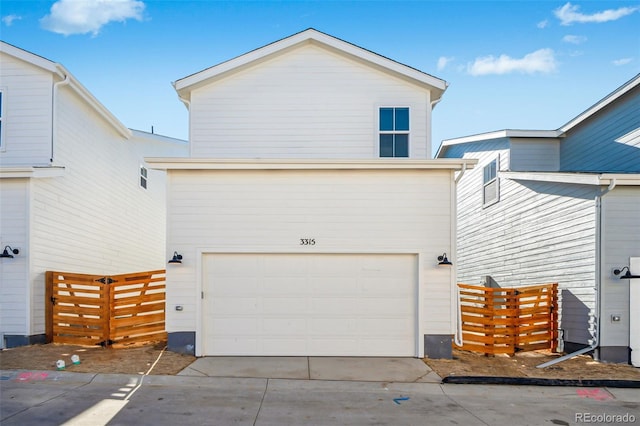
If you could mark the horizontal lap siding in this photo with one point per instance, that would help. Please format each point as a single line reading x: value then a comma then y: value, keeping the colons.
x: 537, y: 233
x: 305, y: 103
x: 14, y: 292
x: 621, y: 239
x: 594, y: 145
x: 344, y: 211
x: 534, y: 155
x: 96, y: 218
x: 26, y: 98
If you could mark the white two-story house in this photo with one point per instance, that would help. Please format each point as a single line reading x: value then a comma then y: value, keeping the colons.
x: 309, y: 215
x: 75, y: 192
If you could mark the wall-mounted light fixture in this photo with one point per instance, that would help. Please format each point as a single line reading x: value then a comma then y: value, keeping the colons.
x: 627, y: 276
x: 177, y: 258
x: 7, y: 253
x: 442, y: 260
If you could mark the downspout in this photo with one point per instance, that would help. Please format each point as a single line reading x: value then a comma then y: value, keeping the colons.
x: 596, y: 342
x: 54, y: 127
x: 457, y: 337
x: 187, y: 103
x: 464, y: 169
x: 432, y: 104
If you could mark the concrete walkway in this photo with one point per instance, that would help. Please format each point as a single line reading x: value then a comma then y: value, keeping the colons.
x: 393, y: 370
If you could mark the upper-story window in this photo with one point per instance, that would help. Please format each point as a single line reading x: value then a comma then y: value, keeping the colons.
x: 394, y: 132
x: 490, y: 183
x: 143, y: 177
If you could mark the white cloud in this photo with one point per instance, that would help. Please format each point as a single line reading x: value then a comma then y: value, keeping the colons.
x: 543, y: 24
x: 8, y: 20
x: 540, y: 61
x: 623, y: 61
x: 89, y: 16
x: 574, y: 39
x: 568, y: 14
x: 443, y: 61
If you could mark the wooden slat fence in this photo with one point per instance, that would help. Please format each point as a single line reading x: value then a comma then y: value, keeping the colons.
x: 508, y: 320
x: 86, y: 309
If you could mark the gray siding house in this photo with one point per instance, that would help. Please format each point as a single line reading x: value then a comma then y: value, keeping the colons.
x: 561, y: 206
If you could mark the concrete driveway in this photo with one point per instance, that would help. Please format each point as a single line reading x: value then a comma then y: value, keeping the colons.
x: 55, y: 398
x: 393, y: 370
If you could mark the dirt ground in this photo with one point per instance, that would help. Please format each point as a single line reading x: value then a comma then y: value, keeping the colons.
x: 134, y: 359
x: 139, y: 359
x: 524, y: 364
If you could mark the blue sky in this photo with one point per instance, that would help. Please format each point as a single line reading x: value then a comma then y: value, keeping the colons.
x: 509, y: 64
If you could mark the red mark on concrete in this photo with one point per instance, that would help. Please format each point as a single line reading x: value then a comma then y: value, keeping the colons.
x: 597, y: 394
x: 29, y: 376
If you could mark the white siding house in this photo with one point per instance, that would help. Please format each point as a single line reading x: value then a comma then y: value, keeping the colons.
x: 71, y: 197
x: 566, y: 210
x: 299, y: 235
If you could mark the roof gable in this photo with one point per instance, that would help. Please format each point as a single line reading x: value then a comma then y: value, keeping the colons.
x: 28, y: 57
x: 310, y: 36
x: 65, y: 77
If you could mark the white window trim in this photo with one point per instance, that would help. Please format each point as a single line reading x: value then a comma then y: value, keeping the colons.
x: 379, y: 132
x: 496, y: 179
x: 144, y: 176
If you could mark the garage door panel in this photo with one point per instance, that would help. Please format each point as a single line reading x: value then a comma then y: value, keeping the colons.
x: 335, y: 327
x: 230, y: 265
x: 239, y: 285
x: 309, y: 304
x: 278, y: 305
x: 284, y: 326
x: 334, y: 285
x: 328, y: 346
x: 332, y: 265
x: 276, y: 346
x: 284, y: 266
x: 283, y: 285
x: 383, y: 307
x: 385, y: 286
x: 248, y: 306
x: 346, y: 307
x: 373, y: 347
x: 235, y: 326
x: 234, y: 346
x: 387, y: 326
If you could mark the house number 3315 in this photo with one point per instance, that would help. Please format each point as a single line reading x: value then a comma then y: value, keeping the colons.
x: 307, y: 241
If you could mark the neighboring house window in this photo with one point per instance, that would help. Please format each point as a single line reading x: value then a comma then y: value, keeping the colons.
x: 394, y: 132
x: 143, y: 177
x: 491, y: 189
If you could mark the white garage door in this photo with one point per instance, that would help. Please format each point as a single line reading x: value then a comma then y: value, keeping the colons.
x: 309, y: 304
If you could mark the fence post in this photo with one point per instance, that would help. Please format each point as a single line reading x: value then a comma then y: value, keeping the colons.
x: 48, y: 306
x: 553, y: 315
x: 491, y: 300
x: 104, y: 296
x: 516, y: 321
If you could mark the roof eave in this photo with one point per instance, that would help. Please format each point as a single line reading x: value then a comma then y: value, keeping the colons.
x: 59, y: 70
x: 578, y: 178
x: 300, y: 164
x: 82, y: 91
x: 185, y: 85
x: 607, y: 100
x: 505, y: 133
